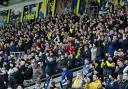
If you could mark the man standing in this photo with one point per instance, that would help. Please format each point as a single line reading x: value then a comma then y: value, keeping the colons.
x: 66, y: 78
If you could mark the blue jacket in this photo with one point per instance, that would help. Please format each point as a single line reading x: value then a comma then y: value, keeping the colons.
x: 110, y: 84
x: 67, y: 74
x: 13, y: 48
x: 112, y: 47
x: 124, y: 44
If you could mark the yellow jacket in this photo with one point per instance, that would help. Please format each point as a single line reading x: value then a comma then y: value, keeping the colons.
x: 77, y: 83
x: 94, y: 85
x: 107, y: 63
x: 49, y: 34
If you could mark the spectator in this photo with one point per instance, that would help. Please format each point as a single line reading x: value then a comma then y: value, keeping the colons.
x: 113, y: 46
x: 28, y: 72
x: 2, y: 80
x: 107, y: 66
x: 19, y: 87
x: 110, y: 83
x: 48, y: 82
x: 9, y: 87
x: 51, y: 66
x: 86, y: 53
x: 86, y: 67
x: 38, y: 84
x: 121, y: 66
x: 78, y: 81
x: 122, y: 81
x: 96, y: 84
x: 125, y: 42
x: 66, y: 78
x: 53, y: 85
x: 69, y: 48
x: 125, y: 69
x: 93, y: 52
x: 37, y: 70
x: 17, y: 77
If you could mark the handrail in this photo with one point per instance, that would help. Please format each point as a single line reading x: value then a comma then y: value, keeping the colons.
x: 55, y: 76
x: 17, y: 53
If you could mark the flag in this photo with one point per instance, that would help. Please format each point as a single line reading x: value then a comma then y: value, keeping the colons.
x: 98, y: 1
x: 122, y: 2
x: 37, y: 10
x: 125, y: 2
x: 8, y: 17
x: 22, y: 14
x: 53, y: 7
x: 44, y: 7
x: 115, y: 2
x: 76, y: 5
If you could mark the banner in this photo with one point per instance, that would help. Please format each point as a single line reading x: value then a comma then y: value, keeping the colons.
x: 102, y: 4
x: 51, y: 7
x: 40, y: 10
x: 29, y: 12
x: 44, y: 8
x: 37, y: 10
x: 121, y: 2
x: 82, y: 7
x: 8, y: 17
x: 67, y: 6
x: 98, y: 1
x: 3, y: 17
x: 115, y: 2
x: 15, y: 15
x: 22, y: 14
x: 76, y: 5
x: 59, y: 6
x: 125, y: 2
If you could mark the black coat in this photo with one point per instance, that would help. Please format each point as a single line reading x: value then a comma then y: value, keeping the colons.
x: 123, y: 84
x: 86, y: 54
x: 2, y: 86
x: 28, y: 73
x: 18, y: 77
x: 124, y: 44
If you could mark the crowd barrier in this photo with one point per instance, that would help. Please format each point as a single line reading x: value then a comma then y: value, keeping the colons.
x: 54, y: 76
x: 17, y: 54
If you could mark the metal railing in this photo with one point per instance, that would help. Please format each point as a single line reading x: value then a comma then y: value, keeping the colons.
x: 54, y: 76
x: 17, y: 54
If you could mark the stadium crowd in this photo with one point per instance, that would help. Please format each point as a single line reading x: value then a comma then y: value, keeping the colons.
x: 53, y: 44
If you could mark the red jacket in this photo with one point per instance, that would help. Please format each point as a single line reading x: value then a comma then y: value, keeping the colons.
x: 70, y: 49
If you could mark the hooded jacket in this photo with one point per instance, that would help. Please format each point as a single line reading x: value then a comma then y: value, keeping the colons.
x: 94, y: 85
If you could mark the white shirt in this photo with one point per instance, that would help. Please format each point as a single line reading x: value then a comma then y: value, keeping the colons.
x: 93, y: 53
